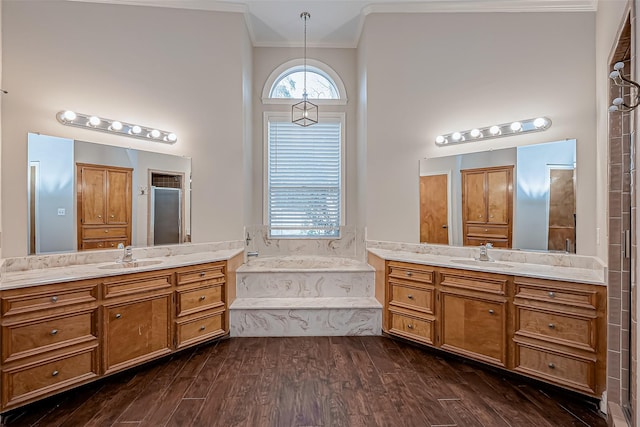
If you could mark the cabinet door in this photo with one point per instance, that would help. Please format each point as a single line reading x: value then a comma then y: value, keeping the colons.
x: 474, y: 327
x: 498, y: 200
x: 474, y: 199
x: 136, y: 331
x: 93, y: 201
x: 118, y: 196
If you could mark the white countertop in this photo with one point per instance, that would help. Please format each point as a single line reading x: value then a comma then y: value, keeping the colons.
x: 44, y: 276
x: 540, y: 271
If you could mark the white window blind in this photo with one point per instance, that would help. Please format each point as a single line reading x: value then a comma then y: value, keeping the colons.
x: 304, y: 179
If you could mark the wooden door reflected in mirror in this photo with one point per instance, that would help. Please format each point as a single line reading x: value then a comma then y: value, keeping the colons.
x: 434, y: 209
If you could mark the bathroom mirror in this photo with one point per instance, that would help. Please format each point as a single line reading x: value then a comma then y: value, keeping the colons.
x: 83, y: 196
x: 520, y: 198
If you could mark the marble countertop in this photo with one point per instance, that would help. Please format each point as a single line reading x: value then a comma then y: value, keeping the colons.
x: 540, y: 271
x: 44, y: 276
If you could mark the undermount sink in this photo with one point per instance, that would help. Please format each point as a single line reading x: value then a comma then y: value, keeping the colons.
x: 481, y: 263
x: 132, y: 264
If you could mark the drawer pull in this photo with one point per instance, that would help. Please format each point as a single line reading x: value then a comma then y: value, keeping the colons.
x: 106, y: 231
x: 54, y: 299
x: 410, y: 296
x: 409, y: 273
x: 202, y: 298
x: 552, y: 366
x: 552, y: 294
x: 409, y: 326
x: 99, y: 216
x: 113, y: 216
x: 202, y: 274
x: 54, y: 332
x: 202, y: 328
x: 54, y: 373
x: 486, y: 229
x: 552, y: 326
x: 491, y: 311
x: 118, y: 316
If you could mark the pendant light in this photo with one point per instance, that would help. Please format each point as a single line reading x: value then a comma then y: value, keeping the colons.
x: 304, y: 113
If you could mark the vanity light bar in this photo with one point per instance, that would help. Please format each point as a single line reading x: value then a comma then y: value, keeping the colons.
x: 85, y: 121
x: 496, y: 131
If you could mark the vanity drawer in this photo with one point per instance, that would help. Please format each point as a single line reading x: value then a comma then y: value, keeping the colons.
x: 412, y: 272
x: 200, y: 329
x: 199, y: 299
x: 477, y: 241
x: 104, y: 232
x: 136, y: 283
x: 412, y: 327
x: 564, y: 369
x: 412, y: 298
x: 26, y: 339
x: 28, y: 382
x: 555, y: 293
x: 210, y: 273
x: 102, y: 244
x: 47, y: 298
x: 555, y: 327
x: 489, y: 232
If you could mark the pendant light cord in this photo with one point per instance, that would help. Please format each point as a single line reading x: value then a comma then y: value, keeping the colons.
x: 305, y: 16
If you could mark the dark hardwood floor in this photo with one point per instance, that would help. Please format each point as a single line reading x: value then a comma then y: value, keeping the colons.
x: 320, y: 381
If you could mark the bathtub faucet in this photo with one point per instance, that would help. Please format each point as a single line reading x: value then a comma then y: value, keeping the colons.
x: 252, y: 254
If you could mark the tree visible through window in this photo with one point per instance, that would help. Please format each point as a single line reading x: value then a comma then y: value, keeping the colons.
x: 290, y: 84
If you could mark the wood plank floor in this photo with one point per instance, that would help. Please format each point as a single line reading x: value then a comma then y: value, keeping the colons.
x: 315, y: 381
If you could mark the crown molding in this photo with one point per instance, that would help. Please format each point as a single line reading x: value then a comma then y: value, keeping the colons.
x: 443, y: 6
x: 210, y: 5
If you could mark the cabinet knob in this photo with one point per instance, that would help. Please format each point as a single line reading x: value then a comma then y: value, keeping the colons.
x: 113, y: 216
x: 409, y: 273
x: 99, y: 216
x: 486, y: 229
x: 552, y: 326
x: 118, y: 315
x: 113, y: 245
x: 202, y: 328
x: 54, y: 332
x: 202, y: 298
x: 106, y: 231
x: 409, y: 326
x: 552, y: 294
x: 491, y: 311
x: 54, y: 299
x: 552, y: 366
x: 202, y: 274
x: 54, y: 373
x: 410, y: 296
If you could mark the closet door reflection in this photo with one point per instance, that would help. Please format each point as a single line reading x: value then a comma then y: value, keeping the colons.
x: 434, y: 209
x: 562, y: 210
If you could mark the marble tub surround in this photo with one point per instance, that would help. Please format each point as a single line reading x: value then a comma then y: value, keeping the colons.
x: 351, y: 243
x: 55, y: 274
x: 305, y: 296
x: 555, y: 266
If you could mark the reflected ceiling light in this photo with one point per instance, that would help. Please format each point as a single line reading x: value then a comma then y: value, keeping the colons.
x: 623, y: 83
x: 304, y: 113
x: 506, y: 129
x: 86, y: 121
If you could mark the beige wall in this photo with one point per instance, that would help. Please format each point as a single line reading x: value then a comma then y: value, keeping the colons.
x: 436, y: 73
x: 178, y: 70
x: 343, y: 62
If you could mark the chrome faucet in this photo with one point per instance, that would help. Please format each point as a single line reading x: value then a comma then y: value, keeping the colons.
x: 127, y: 256
x: 484, y: 254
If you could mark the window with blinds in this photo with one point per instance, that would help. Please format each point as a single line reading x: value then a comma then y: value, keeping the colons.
x: 304, y: 182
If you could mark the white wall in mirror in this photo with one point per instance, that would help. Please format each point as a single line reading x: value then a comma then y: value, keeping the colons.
x: 55, y: 209
x: 531, y: 195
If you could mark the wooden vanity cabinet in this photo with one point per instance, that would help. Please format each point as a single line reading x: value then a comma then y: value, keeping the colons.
x: 56, y: 337
x: 49, y: 340
x: 550, y: 330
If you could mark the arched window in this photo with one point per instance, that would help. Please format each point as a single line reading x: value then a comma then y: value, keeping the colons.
x: 287, y: 83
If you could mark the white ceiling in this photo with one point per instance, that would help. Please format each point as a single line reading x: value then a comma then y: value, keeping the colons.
x: 338, y: 23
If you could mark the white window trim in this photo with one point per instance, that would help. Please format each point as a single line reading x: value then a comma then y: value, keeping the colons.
x: 271, y: 115
x: 330, y: 72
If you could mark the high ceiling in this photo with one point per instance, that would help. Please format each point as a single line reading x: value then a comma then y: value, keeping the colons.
x: 338, y: 23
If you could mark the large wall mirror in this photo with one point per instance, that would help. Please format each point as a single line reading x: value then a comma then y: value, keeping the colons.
x: 84, y: 196
x: 521, y: 198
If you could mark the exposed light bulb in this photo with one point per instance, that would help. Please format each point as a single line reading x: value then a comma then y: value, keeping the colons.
x: 172, y: 137
x: 116, y: 125
x: 457, y: 136
x: 618, y: 66
x: 540, y: 122
x: 136, y: 129
x: 475, y: 133
x: 154, y: 133
x: 440, y: 139
x: 614, y: 75
x: 69, y: 116
x: 617, y: 101
x: 516, y: 126
x: 494, y: 130
x: 613, y: 108
x: 94, y: 121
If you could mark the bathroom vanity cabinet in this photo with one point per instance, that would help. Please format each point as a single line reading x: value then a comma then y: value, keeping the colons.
x: 58, y: 336
x: 554, y: 331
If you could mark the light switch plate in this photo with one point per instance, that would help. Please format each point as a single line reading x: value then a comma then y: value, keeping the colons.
x: 62, y: 211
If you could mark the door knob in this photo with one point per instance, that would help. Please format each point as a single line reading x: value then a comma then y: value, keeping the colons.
x: 445, y: 226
